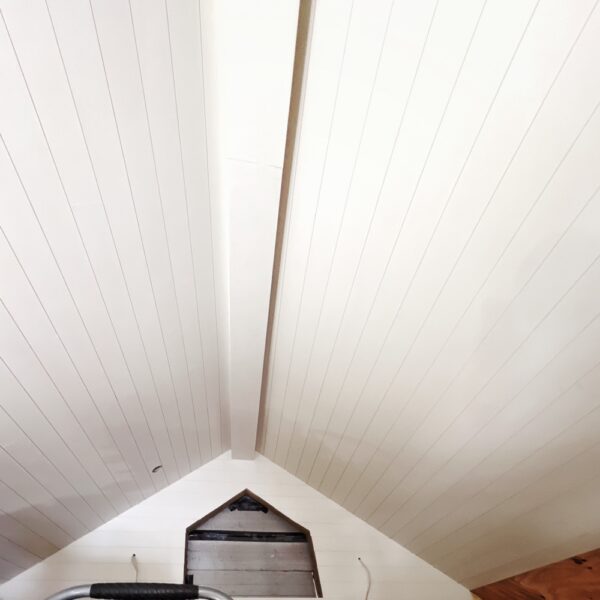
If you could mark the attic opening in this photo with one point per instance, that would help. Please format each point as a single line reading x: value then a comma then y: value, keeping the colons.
x: 247, y: 548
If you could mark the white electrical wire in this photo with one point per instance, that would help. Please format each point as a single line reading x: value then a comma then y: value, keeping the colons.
x: 360, y: 560
x: 135, y: 566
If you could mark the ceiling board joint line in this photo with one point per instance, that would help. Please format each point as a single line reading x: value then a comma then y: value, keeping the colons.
x: 76, y: 369
x: 585, y: 482
x: 375, y: 412
x: 306, y: 13
x: 545, y: 187
x: 187, y: 208
x: 310, y: 243
x: 21, y: 547
x: 395, y: 421
x: 159, y: 190
x: 143, y: 246
x: 39, y: 409
x: 38, y: 510
x: 39, y: 300
x: 92, y: 270
x: 526, y: 458
x: 31, y: 475
x: 397, y: 239
x: 35, y: 533
x: 222, y: 419
x: 577, y: 335
x: 388, y: 164
x: 507, y: 360
x: 117, y: 255
x: 340, y: 227
x: 38, y: 482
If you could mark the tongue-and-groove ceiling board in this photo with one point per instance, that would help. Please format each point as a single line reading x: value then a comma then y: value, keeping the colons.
x: 138, y: 213
x: 433, y: 363
x: 109, y: 338
x: 434, y: 359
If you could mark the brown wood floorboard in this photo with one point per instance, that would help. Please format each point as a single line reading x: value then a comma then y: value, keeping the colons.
x: 576, y: 578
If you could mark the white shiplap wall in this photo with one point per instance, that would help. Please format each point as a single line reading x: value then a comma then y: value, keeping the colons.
x: 109, y: 333
x: 155, y: 531
x: 434, y: 361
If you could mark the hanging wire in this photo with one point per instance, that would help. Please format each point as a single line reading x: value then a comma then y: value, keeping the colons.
x: 364, y: 566
x: 134, y: 562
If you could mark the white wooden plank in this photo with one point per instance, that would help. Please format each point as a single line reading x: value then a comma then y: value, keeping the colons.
x: 211, y: 72
x: 566, y: 321
x: 24, y: 300
x: 319, y: 90
x: 574, y: 503
x: 425, y: 111
x: 50, y: 197
x: 34, y: 492
x: 19, y: 508
x: 405, y: 362
x: 106, y: 462
x: 251, y: 251
x: 20, y: 404
x: 8, y: 569
x: 585, y: 541
x: 40, y: 460
x: 257, y: 67
x: 24, y: 536
x: 486, y: 67
x: 118, y: 46
x: 152, y: 41
x: 424, y: 369
x: 75, y: 27
x: 548, y: 400
x: 363, y: 47
x: 531, y: 308
x: 419, y: 402
x: 533, y: 477
x: 188, y: 56
x: 16, y: 554
x: 90, y: 302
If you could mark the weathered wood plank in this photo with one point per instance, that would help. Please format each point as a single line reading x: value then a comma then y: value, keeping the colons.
x: 276, y: 556
x: 259, y: 583
x: 247, y: 521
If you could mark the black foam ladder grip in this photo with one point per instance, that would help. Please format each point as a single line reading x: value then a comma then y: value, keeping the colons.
x: 140, y: 591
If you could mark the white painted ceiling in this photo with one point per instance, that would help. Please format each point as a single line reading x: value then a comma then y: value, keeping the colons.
x: 433, y: 357
x: 109, y: 337
x: 435, y: 348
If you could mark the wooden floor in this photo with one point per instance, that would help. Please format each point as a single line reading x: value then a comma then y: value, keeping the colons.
x: 576, y: 578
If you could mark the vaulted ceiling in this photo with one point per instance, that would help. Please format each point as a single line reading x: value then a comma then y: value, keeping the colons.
x: 435, y: 348
x: 110, y: 335
x: 398, y: 207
